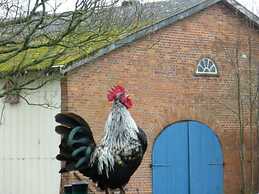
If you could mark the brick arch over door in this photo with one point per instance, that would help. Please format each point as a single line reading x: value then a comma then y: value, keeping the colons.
x: 187, y: 158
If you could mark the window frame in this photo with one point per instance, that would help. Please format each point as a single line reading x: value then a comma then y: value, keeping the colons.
x: 208, y: 74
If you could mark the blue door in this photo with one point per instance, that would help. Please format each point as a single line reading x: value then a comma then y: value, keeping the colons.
x: 187, y: 159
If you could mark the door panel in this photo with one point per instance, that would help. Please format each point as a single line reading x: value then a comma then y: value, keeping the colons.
x: 187, y: 159
x: 206, y: 163
x: 170, y: 161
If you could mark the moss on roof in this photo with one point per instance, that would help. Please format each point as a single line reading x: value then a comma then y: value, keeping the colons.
x: 72, y: 48
x: 78, y: 45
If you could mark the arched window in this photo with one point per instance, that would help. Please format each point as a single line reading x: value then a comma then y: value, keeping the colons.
x: 206, y: 66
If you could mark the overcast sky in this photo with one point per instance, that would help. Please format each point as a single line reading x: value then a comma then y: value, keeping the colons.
x: 252, y: 5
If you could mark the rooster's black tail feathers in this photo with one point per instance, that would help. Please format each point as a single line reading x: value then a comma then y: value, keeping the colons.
x: 77, y: 143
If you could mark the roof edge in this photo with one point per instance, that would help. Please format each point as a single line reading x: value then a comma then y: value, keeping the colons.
x: 249, y: 14
x: 141, y: 33
x: 156, y: 26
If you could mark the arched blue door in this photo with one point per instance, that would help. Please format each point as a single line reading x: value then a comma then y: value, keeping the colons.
x: 187, y: 159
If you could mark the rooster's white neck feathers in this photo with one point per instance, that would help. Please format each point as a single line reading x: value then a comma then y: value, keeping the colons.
x: 120, y: 137
x: 120, y: 127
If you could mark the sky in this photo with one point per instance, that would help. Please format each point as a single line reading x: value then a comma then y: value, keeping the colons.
x: 252, y: 5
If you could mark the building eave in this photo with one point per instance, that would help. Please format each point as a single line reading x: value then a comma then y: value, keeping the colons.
x: 250, y: 15
x: 157, y: 26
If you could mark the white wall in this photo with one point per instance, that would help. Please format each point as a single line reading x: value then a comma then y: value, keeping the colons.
x: 28, y: 145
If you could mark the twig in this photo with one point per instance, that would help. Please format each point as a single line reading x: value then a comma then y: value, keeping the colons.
x: 2, y: 113
x: 44, y: 105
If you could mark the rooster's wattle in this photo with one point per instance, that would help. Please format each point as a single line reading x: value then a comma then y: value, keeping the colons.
x: 112, y: 162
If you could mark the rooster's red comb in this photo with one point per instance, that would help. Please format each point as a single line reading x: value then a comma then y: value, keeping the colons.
x: 112, y: 93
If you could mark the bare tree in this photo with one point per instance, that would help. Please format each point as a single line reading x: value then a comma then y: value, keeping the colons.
x: 241, y: 55
x: 37, y: 40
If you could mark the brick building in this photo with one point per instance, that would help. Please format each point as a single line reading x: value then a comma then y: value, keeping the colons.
x: 177, y: 71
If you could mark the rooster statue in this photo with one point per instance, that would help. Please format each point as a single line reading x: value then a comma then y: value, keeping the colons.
x: 111, y: 163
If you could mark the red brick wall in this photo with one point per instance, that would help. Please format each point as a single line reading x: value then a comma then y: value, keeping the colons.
x: 158, y: 71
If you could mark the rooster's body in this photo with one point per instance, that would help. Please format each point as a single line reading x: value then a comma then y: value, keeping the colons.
x: 111, y: 163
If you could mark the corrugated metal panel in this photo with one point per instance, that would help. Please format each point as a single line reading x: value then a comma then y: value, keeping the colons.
x: 28, y: 145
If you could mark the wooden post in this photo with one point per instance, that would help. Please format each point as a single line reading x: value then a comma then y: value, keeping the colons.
x: 68, y: 189
x: 80, y: 188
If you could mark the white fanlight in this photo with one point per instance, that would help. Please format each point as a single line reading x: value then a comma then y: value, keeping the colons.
x: 206, y: 66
